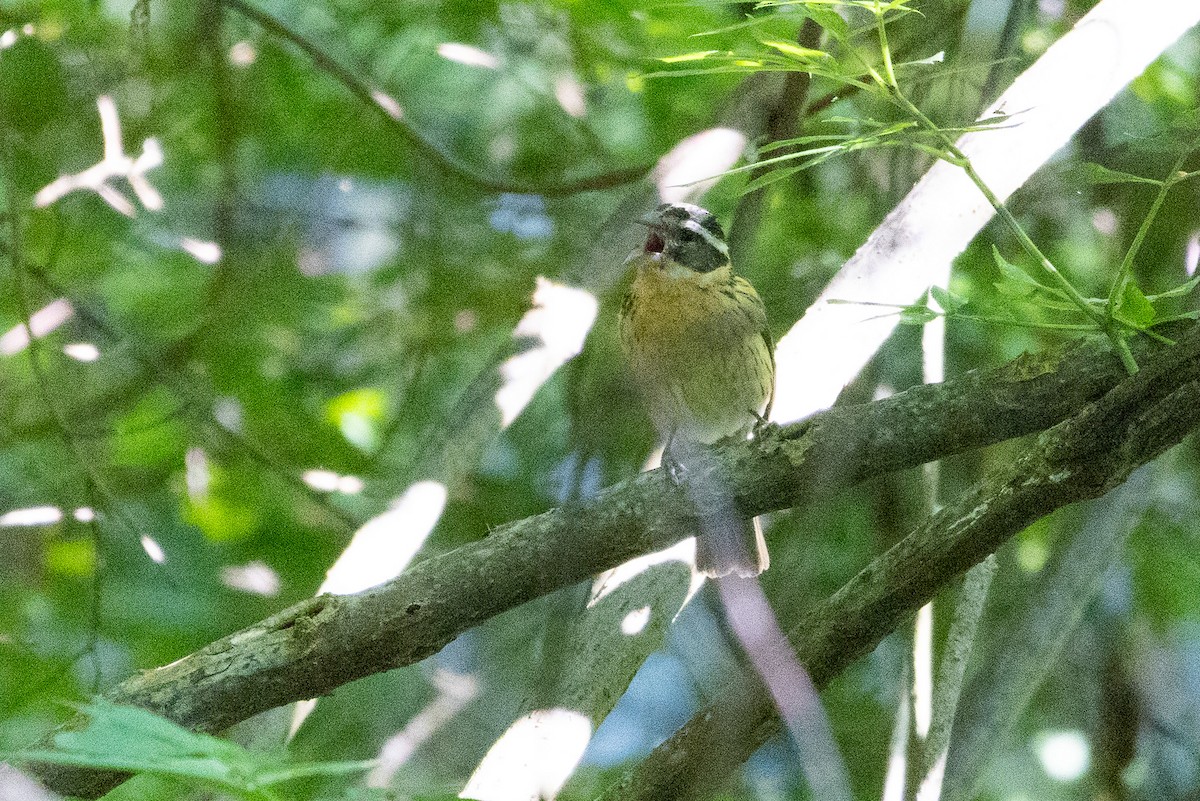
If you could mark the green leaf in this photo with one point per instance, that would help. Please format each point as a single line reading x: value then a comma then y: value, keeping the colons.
x: 832, y: 22
x: 133, y: 739
x: 1019, y: 284
x: 1178, y: 292
x: 699, y: 55
x: 1099, y: 174
x: 802, y: 53
x: 1015, y: 282
x: 917, y: 315
x: 771, y: 177
x: 1044, y: 301
x: 947, y: 300
x: 1188, y: 315
x: 129, y: 738
x: 1134, y: 308
x: 302, y: 770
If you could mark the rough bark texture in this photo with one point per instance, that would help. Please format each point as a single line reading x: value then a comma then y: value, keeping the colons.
x: 317, y: 645
x: 1080, y: 458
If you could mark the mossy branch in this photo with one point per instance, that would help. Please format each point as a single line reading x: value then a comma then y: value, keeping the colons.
x: 1080, y: 458
x: 322, y: 643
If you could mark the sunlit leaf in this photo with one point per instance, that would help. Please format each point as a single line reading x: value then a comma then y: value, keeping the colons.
x: 802, y: 53
x: 1133, y: 307
x: 917, y: 315
x: 697, y: 56
x: 76, y: 557
x: 934, y: 60
x: 947, y: 300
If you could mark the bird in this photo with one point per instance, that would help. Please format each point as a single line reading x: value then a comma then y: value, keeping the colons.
x: 697, y: 344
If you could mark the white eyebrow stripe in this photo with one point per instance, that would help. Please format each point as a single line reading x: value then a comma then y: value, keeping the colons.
x: 716, y: 243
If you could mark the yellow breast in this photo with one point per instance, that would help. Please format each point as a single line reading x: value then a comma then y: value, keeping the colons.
x: 698, y: 345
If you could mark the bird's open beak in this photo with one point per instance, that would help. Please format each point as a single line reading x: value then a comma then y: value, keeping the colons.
x: 654, y: 241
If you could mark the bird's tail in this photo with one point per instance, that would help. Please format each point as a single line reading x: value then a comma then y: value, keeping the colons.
x: 731, y: 545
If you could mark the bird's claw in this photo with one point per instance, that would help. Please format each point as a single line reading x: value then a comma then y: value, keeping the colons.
x: 675, y: 468
x: 762, y: 426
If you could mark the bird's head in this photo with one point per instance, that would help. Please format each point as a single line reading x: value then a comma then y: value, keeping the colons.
x: 687, y: 235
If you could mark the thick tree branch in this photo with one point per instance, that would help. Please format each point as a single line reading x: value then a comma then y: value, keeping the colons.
x: 322, y: 643
x: 1078, y: 459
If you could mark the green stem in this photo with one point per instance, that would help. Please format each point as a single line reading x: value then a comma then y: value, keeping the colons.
x: 888, y: 70
x: 1175, y: 176
x: 961, y: 160
x: 985, y: 318
x: 1103, y: 321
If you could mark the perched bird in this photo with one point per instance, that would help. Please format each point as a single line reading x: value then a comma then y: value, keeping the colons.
x: 696, y: 340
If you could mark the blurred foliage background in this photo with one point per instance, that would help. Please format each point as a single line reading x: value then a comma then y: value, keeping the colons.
x: 321, y: 290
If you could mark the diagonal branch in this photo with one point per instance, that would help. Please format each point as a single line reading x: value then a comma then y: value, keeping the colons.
x: 1078, y: 459
x: 322, y: 643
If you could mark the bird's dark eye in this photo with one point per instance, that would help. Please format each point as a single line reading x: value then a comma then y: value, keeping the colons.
x: 654, y: 243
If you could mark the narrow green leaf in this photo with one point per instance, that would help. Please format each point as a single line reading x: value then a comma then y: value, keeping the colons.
x: 302, y: 770
x: 725, y: 70
x: 771, y: 177
x: 208, y: 770
x: 917, y: 315
x: 1043, y: 301
x: 697, y: 56
x: 1178, y: 292
x: 803, y: 53
x: 848, y: 302
x: 947, y: 300
x: 801, y: 140
x: 1188, y: 315
x: 1013, y: 272
x: 1099, y: 174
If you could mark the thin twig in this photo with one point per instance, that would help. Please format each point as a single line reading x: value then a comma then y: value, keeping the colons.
x: 192, y: 398
x: 954, y: 155
x: 394, y: 116
x: 1174, y: 176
